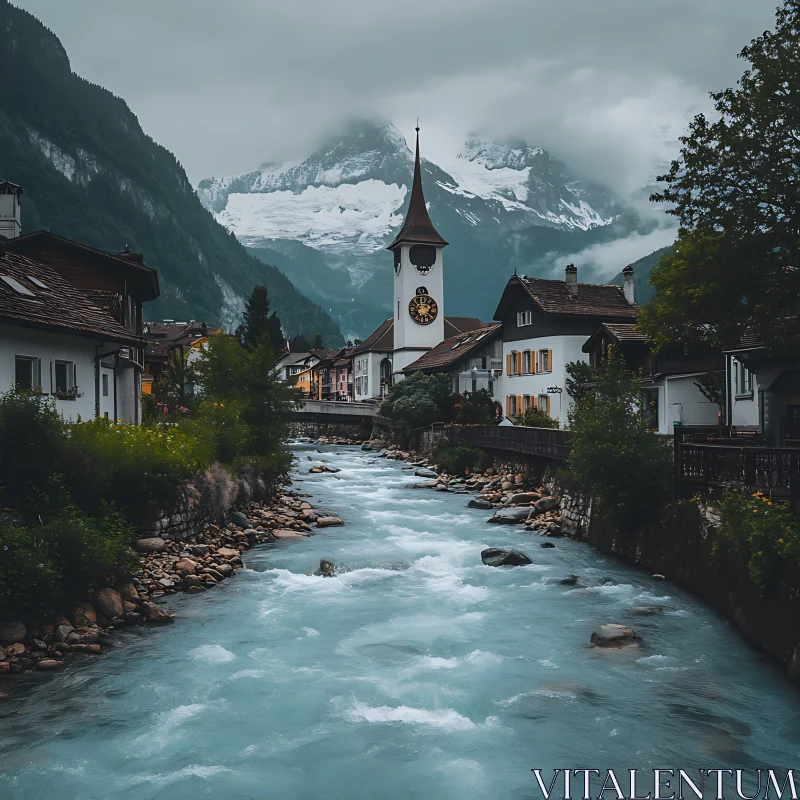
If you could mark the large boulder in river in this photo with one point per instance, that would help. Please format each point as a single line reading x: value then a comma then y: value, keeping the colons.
x: 480, y: 502
x: 327, y: 522
x: 12, y: 632
x: 504, y: 557
x: 613, y: 635
x: 524, y: 498
x: 510, y: 516
x: 109, y: 603
x: 154, y: 544
x: 426, y: 473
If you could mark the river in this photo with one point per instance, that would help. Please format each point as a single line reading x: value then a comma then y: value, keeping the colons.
x: 416, y: 673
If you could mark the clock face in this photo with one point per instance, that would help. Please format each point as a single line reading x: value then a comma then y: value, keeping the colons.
x: 423, y: 309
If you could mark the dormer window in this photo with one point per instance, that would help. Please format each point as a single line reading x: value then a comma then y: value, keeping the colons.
x: 524, y: 318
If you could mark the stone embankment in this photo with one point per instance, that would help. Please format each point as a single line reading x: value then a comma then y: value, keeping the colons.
x: 194, y: 565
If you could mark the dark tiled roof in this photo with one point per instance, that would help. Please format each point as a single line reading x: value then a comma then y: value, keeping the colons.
x: 594, y: 299
x: 58, y: 307
x: 455, y: 348
x: 625, y: 332
x: 382, y: 338
x: 748, y: 342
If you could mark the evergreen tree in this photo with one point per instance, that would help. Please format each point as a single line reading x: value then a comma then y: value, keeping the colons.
x: 736, y: 266
x: 317, y: 342
x: 299, y: 344
x: 259, y: 325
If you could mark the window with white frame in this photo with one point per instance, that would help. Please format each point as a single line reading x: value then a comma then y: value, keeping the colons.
x: 64, y: 377
x: 744, y: 379
x: 543, y: 402
x: 526, y: 362
x: 545, y: 361
x: 27, y: 373
x: 524, y: 318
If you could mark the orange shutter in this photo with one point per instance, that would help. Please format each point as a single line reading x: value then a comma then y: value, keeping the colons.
x: 549, y: 360
x: 508, y: 365
x: 508, y: 403
x: 519, y: 363
x: 548, y: 405
x: 533, y: 401
x: 519, y: 404
x: 535, y: 361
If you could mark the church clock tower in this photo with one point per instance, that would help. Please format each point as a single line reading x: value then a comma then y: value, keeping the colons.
x: 418, y: 281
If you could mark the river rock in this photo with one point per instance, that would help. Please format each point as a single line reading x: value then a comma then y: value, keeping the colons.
x: 16, y: 649
x: 82, y: 637
x: 199, y: 550
x: 643, y: 611
x: 192, y: 581
x: 239, y: 520
x: 504, y: 557
x: 327, y: 569
x: 524, y: 498
x: 510, y: 516
x: 480, y: 502
x: 613, y: 635
x: 155, y: 614
x: 11, y: 632
x: 284, y: 534
x: 327, y: 522
x: 570, y: 580
x: 84, y: 615
x: 128, y: 593
x: 426, y: 473
x: 546, y: 544
x: 225, y: 569
x: 546, y: 504
x: 49, y: 663
x: 154, y: 544
x: 186, y: 565
x: 166, y: 583
x: 228, y: 552
x: 62, y: 632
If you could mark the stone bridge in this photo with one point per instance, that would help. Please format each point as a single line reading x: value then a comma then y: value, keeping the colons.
x: 318, y: 417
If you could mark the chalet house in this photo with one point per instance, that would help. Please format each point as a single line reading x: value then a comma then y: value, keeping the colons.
x: 54, y: 339
x: 474, y: 359
x: 299, y: 369
x: 333, y: 376
x: 373, y: 358
x: 545, y: 325
x: 117, y: 284
x: 669, y: 379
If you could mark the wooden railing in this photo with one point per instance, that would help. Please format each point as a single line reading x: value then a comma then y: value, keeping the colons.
x: 769, y: 469
x: 549, y: 444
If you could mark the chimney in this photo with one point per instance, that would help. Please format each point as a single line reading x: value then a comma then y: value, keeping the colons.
x: 10, y: 194
x: 627, y: 287
x: 571, y: 278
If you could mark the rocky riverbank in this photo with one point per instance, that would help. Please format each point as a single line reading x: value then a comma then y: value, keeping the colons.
x: 167, y: 567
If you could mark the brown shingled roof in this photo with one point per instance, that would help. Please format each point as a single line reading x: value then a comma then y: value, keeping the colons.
x: 451, y: 350
x: 595, y: 299
x: 60, y: 306
x: 382, y: 338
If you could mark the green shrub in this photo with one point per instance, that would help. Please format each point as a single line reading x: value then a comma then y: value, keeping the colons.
x: 33, y: 446
x: 420, y: 400
x: 458, y: 460
x: 46, y: 568
x: 535, y: 418
x: 140, y: 470
x: 475, y: 408
x: 763, y: 532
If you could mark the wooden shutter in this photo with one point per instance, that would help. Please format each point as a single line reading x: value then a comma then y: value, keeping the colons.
x: 549, y: 360
x: 519, y: 363
x: 508, y: 367
x: 535, y: 361
x: 533, y: 401
x: 519, y: 404
x: 548, y: 405
x: 508, y: 404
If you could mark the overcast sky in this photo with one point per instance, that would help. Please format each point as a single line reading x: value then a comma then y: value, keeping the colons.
x: 228, y: 85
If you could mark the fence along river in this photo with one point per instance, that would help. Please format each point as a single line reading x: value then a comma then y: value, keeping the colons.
x: 415, y: 672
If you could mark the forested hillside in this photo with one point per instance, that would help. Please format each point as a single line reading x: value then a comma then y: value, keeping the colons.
x: 90, y: 173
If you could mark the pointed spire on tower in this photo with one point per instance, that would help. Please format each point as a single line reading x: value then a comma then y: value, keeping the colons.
x: 417, y: 228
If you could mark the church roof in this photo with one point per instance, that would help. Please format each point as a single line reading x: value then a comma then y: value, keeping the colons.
x: 382, y: 338
x: 417, y: 228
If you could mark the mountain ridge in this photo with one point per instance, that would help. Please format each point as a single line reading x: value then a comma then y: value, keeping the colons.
x: 92, y: 174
